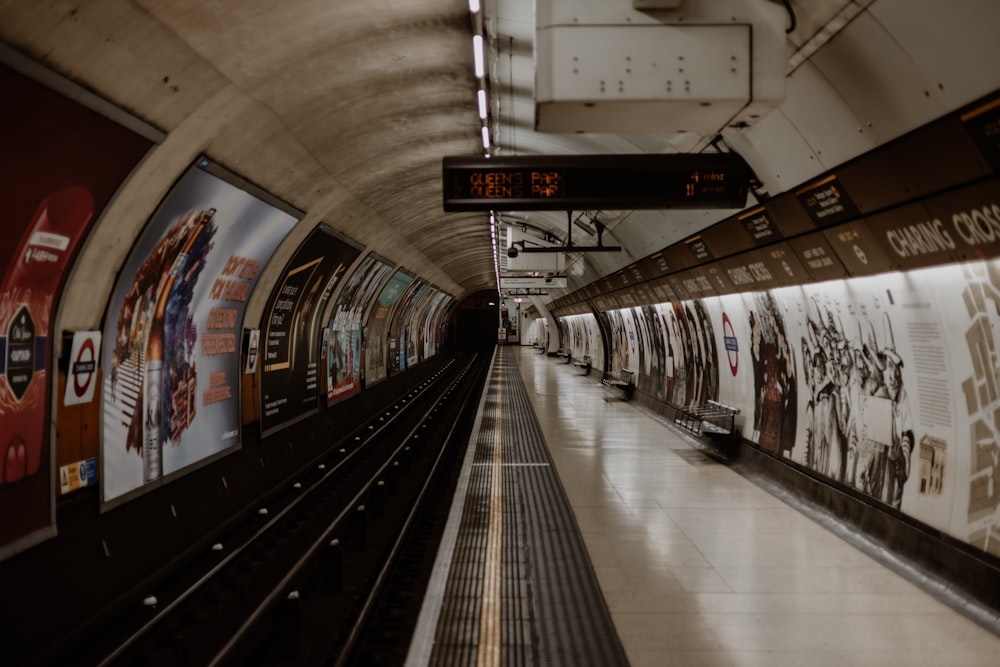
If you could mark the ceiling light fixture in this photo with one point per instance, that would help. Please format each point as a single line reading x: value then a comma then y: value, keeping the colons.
x: 482, y: 104
x: 477, y: 54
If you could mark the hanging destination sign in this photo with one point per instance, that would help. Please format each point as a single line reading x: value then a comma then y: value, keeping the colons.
x: 577, y: 182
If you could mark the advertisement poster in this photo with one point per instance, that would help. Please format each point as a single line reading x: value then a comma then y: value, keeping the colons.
x: 670, y: 348
x: 344, y: 364
x: 430, y: 327
x: 413, y: 342
x: 171, y: 359
x: 293, y: 338
x: 377, y: 328
x: 584, y: 338
x: 409, y: 305
x: 436, y: 332
x: 59, y: 167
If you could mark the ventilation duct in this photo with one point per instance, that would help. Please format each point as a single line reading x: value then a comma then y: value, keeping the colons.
x: 605, y: 66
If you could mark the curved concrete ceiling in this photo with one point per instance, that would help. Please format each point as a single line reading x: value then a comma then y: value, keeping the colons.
x: 345, y: 108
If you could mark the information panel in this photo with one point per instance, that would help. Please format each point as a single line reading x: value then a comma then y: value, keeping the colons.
x: 827, y: 202
x: 572, y: 182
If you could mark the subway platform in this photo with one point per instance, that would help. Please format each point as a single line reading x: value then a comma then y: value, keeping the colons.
x: 586, y: 532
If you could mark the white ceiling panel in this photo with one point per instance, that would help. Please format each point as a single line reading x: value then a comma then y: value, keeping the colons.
x: 878, y: 79
x: 777, y: 153
x: 955, y: 43
x: 823, y: 119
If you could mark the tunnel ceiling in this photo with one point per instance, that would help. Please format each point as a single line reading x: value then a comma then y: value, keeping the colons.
x: 344, y: 108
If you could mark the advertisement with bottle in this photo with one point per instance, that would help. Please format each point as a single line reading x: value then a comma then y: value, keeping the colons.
x: 59, y: 167
x: 344, y: 367
x: 293, y: 335
x: 171, y: 358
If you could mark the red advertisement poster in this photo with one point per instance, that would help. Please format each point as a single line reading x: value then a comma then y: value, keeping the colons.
x: 60, y: 165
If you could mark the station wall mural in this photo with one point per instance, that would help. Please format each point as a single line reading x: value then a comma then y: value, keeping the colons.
x: 670, y: 349
x: 584, y: 336
x: 889, y: 384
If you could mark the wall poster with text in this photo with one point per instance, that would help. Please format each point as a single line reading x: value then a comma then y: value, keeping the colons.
x: 413, y: 335
x: 293, y: 344
x: 409, y: 304
x: 171, y: 358
x: 377, y: 328
x: 344, y: 360
x: 429, y: 329
x: 60, y: 165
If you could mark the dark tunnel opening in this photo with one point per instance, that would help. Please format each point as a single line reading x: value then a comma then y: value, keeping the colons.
x: 477, y: 322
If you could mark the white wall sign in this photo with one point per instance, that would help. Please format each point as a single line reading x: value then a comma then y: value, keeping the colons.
x: 83, y: 360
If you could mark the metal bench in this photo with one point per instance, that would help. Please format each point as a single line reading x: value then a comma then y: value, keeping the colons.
x: 709, y: 418
x: 621, y: 381
x: 586, y: 364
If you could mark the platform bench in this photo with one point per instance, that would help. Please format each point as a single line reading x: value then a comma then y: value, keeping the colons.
x: 709, y: 418
x: 586, y: 364
x: 563, y: 354
x: 621, y: 382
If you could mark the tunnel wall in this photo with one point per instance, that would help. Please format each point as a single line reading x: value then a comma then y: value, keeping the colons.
x: 195, y: 257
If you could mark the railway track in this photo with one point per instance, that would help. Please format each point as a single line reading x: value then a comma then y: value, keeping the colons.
x: 300, y: 580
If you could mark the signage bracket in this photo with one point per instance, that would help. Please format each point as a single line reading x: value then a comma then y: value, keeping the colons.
x: 569, y: 247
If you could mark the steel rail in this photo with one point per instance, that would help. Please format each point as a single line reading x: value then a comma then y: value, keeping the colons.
x: 383, y: 424
x: 281, y: 588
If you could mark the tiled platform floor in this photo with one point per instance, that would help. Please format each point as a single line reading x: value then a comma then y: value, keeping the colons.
x: 701, y: 567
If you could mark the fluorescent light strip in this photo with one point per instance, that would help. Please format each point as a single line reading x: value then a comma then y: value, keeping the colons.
x: 486, y: 137
x: 477, y: 53
x: 473, y: 6
x: 482, y: 104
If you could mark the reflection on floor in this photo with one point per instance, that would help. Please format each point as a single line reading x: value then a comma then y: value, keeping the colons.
x: 701, y: 567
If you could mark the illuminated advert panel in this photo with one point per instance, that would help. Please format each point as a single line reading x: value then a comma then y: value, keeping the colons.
x: 343, y: 359
x: 293, y: 345
x: 60, y: 165
x: 171, y: 354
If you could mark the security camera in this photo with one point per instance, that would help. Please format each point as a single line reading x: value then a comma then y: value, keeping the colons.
x: 512, y: 251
